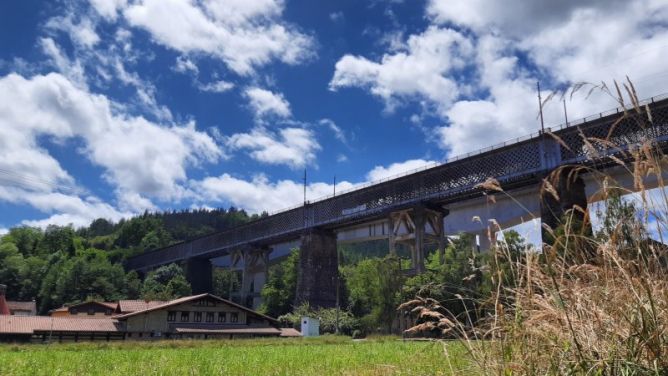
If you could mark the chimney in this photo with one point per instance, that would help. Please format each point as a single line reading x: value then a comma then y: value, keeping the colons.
x: 4, y: 308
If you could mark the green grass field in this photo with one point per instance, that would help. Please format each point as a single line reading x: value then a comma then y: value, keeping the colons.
x: 320, y: 356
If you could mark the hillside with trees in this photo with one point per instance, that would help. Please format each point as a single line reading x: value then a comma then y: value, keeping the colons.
x: 62, y: 265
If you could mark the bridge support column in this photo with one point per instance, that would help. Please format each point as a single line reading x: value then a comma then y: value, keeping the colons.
x: 253, y: 274
x: 199, y: 274
x: 318, y: 269
x: 570, y: 189
x: 416, y: 228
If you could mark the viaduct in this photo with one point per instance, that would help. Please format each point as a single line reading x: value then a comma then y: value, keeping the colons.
x: 422, y: 208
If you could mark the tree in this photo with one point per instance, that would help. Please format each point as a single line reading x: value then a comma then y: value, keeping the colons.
x: 166, y: 283
x: 278, y: 293
x: 374, y: 286
x: 224, y: 282
x: 58, y: 239
x: 100, y: 227
x: 25, y: 238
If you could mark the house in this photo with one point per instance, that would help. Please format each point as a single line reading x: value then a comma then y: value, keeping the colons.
x: 199, y: 316
x: 129, y: 306
x: 22, y: 308
x: 90, y: 309
x: 49, y: 328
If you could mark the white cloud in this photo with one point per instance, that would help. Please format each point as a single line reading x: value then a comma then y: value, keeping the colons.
x: 260, y: 194
x: 336, y: 16
x: 294, y: 147
x: 3, y: 231
x: 382, y: 172
x: 185, y: 65
x: 64, y: 208
x: 266, y: 103
x: 83, y: 33
x: 138, y: 156
x: 339, y: 134
x: 515, y: 18
x: 481, y: 76
x: 72, y: 69
x: 607, y: 48
x: 421, y: 70
x: 220, y: 86
x: 243, y: 34
x: 108, y: 8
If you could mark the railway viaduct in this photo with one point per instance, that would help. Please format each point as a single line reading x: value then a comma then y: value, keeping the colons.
x: 423, y: 207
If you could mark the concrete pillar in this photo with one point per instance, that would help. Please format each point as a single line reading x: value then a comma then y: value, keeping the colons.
x: 199, y: 274
x: 442, y: 241
x: 246, y: 279
x: 418, y: 249
x: 392, y: 243
x: 571, y: 191
x: 318, y: 269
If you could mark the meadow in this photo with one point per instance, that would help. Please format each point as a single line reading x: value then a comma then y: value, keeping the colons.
x: 327, y: 355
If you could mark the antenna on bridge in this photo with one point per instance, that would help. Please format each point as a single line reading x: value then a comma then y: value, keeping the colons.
x: 540, y: 108
x: 565, y: 112
x: 334, y: 185
x: 304, y: 186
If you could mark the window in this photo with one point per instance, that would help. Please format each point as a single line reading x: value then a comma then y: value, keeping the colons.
x: 171, y: 316
x: 74, y: 311
x: 209, y: 317
x: 91, y: 311
x: 185, y: 316
x: 198, y: 316
x: 107, y: 312
x: 234, y: 317
x: 222, y: 317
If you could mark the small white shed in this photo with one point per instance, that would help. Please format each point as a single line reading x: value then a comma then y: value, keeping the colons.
x: 310, y: 327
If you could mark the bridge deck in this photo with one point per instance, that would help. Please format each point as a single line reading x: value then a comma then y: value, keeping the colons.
x: 515, y: 164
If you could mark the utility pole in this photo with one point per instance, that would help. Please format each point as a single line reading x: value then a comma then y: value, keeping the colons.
x: 540, y: 108
x: 565, y: 112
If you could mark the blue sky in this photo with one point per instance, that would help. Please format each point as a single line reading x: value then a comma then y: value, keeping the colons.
x: 112, y: 107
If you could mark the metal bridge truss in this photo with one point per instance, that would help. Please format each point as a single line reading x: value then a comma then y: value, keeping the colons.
x: 524, y: 162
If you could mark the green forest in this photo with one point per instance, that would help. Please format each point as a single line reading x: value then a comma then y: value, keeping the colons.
x: 63, y: 265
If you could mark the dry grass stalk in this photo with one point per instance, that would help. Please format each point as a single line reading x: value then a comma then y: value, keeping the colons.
x: 604, y: 314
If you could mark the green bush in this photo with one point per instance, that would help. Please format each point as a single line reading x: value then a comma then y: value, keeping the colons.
x: 327, y: 316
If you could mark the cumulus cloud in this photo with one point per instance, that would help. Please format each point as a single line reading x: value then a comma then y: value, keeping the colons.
x: 64, y: 209
x: 608, y: 40
x: 260, y: 194
x: 108, y: 8
x: 266, y: 103
x: 185, y: 65
x: 294, y: 147
x: 243, y: 34
x: 383, y: 172
x: 422, y: 69
x: 481, y: 75
x: 220, y: 86
x: 138, y: 156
